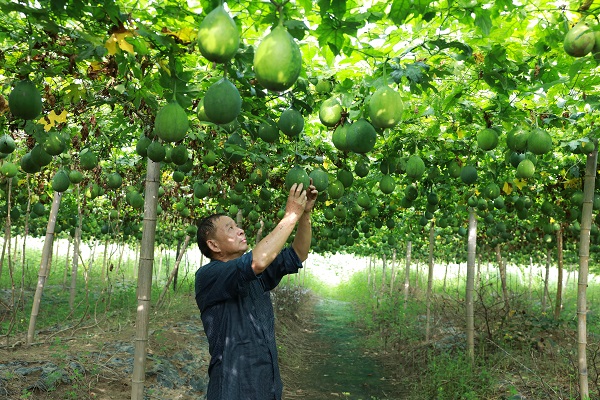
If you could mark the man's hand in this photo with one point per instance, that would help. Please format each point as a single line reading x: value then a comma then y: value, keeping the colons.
x: 311, y: 197
x: 296, y: 202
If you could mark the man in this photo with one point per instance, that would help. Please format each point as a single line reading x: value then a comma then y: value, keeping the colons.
x: 232, y: 293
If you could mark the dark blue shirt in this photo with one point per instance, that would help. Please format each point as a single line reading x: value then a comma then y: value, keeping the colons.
x: 237, y: 314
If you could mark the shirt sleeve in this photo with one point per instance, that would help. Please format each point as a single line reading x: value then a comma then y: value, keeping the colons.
x: 220, y: 281
x: 287, y: 262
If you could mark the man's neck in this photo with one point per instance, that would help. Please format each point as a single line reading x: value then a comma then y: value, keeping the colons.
x: 226, y: 258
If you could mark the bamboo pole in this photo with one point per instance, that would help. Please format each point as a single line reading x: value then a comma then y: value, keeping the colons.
x: 369, y: 273
x: 584, y: 258
x: 529, y: 292
x: 407, y: 272
x: 76, y: 251
x: 502, y: 269
x: 16, y: 246
x: 383, y: 270
x: 7, y: 224
x: 239, y: 219
x: 144, y: 289
x: 104, y: 272
x: 26, y: 231
x: 43, y: 271
x: 176, y: 268
x: 393, y: 271
x: 478, y: 272
x: 546, y: 294
x: 471, y: 254
x: 559, y: 282
x: 374, y: 269
x: 66, y: 270
x: 174, y: 272
x: 55, y: 256
x: 429, y: 280
x: 445, y: 276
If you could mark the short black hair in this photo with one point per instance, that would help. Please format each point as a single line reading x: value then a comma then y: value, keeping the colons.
x: 206, y: 229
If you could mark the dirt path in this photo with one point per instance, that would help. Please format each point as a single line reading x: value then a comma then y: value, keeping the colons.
x: 334, y: 365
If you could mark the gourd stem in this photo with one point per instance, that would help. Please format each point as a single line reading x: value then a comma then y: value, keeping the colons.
x: 385, y: 64
x: 279, y: 7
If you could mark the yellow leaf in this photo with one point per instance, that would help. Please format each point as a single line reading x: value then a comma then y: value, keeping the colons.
x: 507, y: 188
x: 520, y: 183
x: 124, y: 44
x: 62, y: 117
x: 111, y: 45
x: 52, y: 119
x: 328, y: 202
x: 95, y: 66
x: 117, y: 41
x: 186, y: 35
x: 46, y: 122
x: 573, y: 183
x: 325, y: 164
x: 460, y: 133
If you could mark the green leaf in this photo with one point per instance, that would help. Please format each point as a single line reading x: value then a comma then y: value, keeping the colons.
x: 331, y: 35
x: 296, y: 28
x: 452, y: 99
x: 337, y: 7
x: 140, y: 45
x: 401, y: 9
x: 58, y: 5
x: 464, y: 49
x: 483, y: 21
x: 576, y: 67
x: 414, y: 71
x: 209, y: 5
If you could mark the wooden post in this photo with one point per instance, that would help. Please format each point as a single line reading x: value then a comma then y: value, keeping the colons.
x: 559, y: 281
x: 407, y: 272
x: 429, y: 279
x: 43, y: 271
x: 144, y: 289
x: 471, y: 254
x: 584, y: 258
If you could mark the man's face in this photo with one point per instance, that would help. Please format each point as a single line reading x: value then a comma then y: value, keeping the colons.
x: 229, y: 239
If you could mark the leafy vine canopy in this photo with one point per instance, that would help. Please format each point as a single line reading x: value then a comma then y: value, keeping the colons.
x: 104, y: 69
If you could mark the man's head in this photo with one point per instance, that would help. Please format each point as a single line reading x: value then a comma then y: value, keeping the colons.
x: 220, y: 238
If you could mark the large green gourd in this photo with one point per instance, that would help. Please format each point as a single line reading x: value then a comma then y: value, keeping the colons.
x: 277, y: 61
x: 218, y: 36
x: 171, y: 122
x: 25, y: 100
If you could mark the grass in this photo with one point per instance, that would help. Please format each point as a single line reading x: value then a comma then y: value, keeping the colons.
x: 98, y: 299
x: 520, y: 351
x: 523, y: 350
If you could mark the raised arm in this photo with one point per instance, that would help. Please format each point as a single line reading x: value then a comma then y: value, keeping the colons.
x: 301, y: 243
x: 269, y: 247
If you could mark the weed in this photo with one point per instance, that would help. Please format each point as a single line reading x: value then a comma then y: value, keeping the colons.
x: 452, y: 377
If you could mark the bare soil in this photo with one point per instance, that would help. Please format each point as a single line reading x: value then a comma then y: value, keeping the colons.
x: 97, y: 359
x: 322, y: 356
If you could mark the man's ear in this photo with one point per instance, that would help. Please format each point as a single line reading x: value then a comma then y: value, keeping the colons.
x: 213, y: 246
